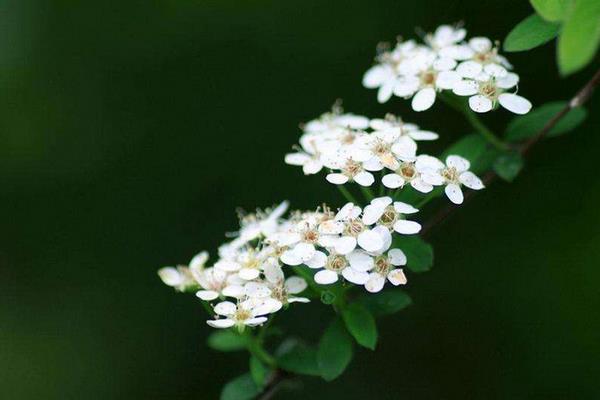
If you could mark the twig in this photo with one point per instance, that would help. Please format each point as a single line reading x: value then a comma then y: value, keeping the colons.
x: 579, y: 99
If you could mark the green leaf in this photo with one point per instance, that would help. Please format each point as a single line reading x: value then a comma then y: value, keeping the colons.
x: 580, y: 37
x: 386, y: 302
x: 419, y: 254
x: 508, y: 165
x: 241, y: 388
x: 299, y: 359
x: 258, y: 371
x: 226, y: 340
x: 361, y: 324
x: 526, y: 126
x: 532, y: 32
x: 335, y: 350
x: 475, y: 149
x: 551, y: 10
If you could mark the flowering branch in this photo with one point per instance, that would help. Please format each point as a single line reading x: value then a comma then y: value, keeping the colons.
x: 580, y: 98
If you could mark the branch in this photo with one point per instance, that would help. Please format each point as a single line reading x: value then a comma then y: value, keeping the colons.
x: 579, y: 99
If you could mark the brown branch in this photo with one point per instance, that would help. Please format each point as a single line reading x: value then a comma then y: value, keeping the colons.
x: 579, y: 99
x: 279, y: 376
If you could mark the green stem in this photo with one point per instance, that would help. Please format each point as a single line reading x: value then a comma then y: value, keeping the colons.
x: 463, y: 108
x: 255, y: 348
x: 347, y: 195
x: 367, y: 193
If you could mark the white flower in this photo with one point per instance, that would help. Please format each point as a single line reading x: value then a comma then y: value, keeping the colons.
x: 249, y: 312
x: 486, y: 93
x: 383, y: 268
x: 382, y: 212
x: 334, y: 265
x: 480, y: 55
x: 281, y: 288
x: 261, y: 223
x: 408, y: 172
x: 392, y: 123
x: 181, y: 277
x: 444, y: 36
x: 212, y: 281
x: 454, y: 174
x: 351, y: 171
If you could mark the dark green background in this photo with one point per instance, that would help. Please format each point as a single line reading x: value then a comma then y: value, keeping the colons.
x: 129, y: 133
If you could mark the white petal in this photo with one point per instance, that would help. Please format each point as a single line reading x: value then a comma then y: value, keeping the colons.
x: 364, y: 178
x: 480, y: 44
x: 506, y: 82
x: 370, y: 241
x: 295, y: 284
x: 207, y: 295
x: 480, y: 104
x: 444, y: 64
x: 354, y: 276
x: 466, y: 87
x: 345, y: 245
x: 375, y: 76
x: 447, y: 79
x: 397, y: 257
x: 360, y: 261
x: 457, y: 162
x: 336, y: 178
x: 226, y: 265
x: 170, y: 276
x: 225, y: 308
x: 454, y: 193
x: 221, y: 323
x: 318, y: 260
x: 425, y: 162
x: 273, y: 272
x: 421, y: 186
x: 331, y: 227
x: 495, y: 70
x: 298, y: 300
x: 235, y: 291
x: 312, y: 167
x: 514, y: 103
x: 255, y: 321
x: 423, y: 135
x: 375, y: 282
x: 385, y: 235
x: 405, y: 148
x: 267, y: 306
x: 397, y: 277
x: 372, y: 213
x: 296, y: 158
x: 249, y: 273
x: 382, y: 201
x: 469, y: 69
x: 392, y: 181
x: 423, y: 99
x: 385, y: 91
x: 326, y: 277
x: 471, y: 180
x: 199, y: 260
x: 256, y: 289
x: 305, y: 251
x: 289, y: 257
x: 407, y: 227
x: 404, y: 208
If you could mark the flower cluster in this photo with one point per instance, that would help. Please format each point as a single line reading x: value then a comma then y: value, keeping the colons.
x: 446, y: 61
x: 353, y: 244
x: 352, y: 148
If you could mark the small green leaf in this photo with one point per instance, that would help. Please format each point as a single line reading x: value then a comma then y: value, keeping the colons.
x: 241, y: 388
x: 508, y: 165
x: 386, y: 302
x: 361, y: 324
x: 532, y: 32
x: 335, y: 350
x: 580, y: 37
x: 475, y: 149
x: 419, y: 254
x: 258, y: 371
x: 526, y: 126
x: 226, y: 340
x: 551, y: 10
x: 299, y: 359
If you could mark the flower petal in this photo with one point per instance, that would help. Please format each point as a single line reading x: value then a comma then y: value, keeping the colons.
x: 512, y: 102
x: 295, y: 284
x: 336, y: 178
x: 397, y: 277
x: 225, y: 308
x: 407, y: 227
x: 480, y: 104
x: 360, y: 261
x: 354, y: 276
x: 221, y: 323
x: 471, y: 180
x: 375, y: 282
x: 326, y: 277
x: 397, y: 257
x: 207, y: 295
x: 423, y: 99
x: 454, y: 193
x: 392, y: 181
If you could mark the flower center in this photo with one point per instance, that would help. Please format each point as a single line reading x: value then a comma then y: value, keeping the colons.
x: 242, y: 315
x: 483, y: 57
x: 279, y: 293
x: 382, y: 265
x: 336, y: 263
x: 488, y: 89
x: 352, y: 167
x: 450, y: 174
x: 311, y: 236
x: 381, y: 148
x: 389, y: 217
x: 428, y: 77
x: 408, y: 171
x: 348, y: 138
x: 353, y: 227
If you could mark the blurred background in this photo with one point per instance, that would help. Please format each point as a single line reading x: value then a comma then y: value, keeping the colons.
x: 130, y: 132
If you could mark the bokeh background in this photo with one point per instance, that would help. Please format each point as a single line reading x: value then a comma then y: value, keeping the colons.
x: 129, y: 133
